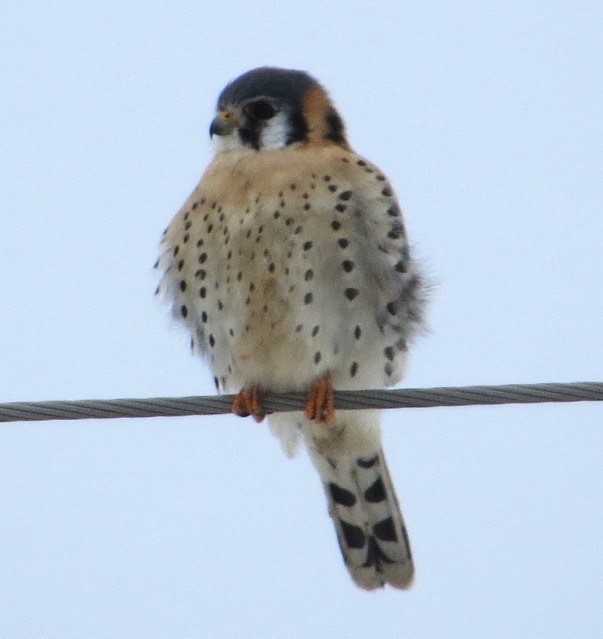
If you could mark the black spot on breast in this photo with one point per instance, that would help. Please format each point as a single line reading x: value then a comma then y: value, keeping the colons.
x: 182, y: 285
x: 397, y: 230
x: 317, y: 357
x: 353, y: 369
x: 212, y: 341
x: 308, y: 275
x: 202, y: 258
x: 357, y: 332
x: 341, y: 496
x: 394, y: 210
x: 389, y: 353
x: 335, y: 225
x: 343, y: 242
x: 340, y: 207
x: 315, y: 331
x: 202, y: 292
x: 308, y: 298
x: 351, y: 293
x: 176, y: 250
x: 180, y: 265
x: 387, y: 191
x: 348, y: 266
x: 204, y: 317
x: 183, y: 311
x: 332, y: 188
x: 307, y: 246
x: 345, y: 195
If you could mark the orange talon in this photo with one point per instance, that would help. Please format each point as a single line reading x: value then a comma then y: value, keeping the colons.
x: 249, y: 402
x: 321, y: 401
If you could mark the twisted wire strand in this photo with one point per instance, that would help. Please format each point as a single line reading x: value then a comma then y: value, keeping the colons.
x: 283, y: 402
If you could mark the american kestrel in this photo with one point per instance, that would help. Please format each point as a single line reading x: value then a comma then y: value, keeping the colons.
x: 291, y: 268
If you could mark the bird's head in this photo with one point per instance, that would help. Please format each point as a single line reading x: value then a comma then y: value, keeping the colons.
x: 270, y: 108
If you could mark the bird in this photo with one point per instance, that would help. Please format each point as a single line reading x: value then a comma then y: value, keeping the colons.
x: 290, y: 265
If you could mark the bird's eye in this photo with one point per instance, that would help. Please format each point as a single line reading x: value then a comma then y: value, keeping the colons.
x: 260, y: 110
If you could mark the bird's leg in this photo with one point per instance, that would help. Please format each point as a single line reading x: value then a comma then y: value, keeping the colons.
x: 249, y: 402
x: 321, y: 400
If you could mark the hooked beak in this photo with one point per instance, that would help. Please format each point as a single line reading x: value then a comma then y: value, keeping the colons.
x: 223, y: 124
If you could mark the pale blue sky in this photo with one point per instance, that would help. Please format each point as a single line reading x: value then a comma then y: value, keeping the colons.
x: 488, y: 119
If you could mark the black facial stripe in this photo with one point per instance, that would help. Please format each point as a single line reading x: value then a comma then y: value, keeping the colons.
x: 250, y: 135
x: 299, y: 128
x: 335, y: 128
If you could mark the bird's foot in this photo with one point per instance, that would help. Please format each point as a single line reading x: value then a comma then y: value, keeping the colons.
x: 249, y: 402
x: 321, y: 400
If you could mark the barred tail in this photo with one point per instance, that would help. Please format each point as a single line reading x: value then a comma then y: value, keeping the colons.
x: 370, y: 529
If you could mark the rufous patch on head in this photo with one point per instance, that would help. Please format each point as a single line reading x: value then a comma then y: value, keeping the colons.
x: 325, y: 126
